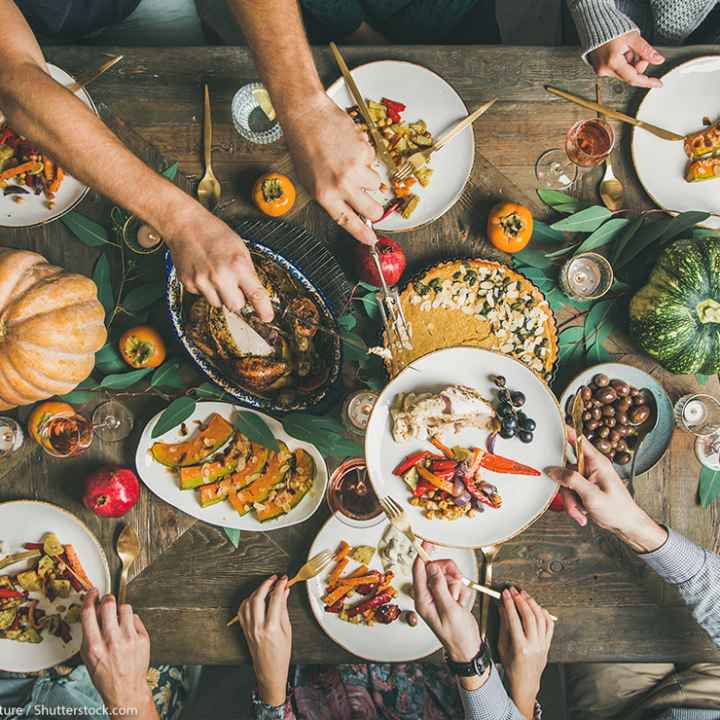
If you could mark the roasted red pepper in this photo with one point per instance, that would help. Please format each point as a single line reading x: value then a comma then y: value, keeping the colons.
x: 411, y: 461
x: 500, y: 464
x: 376, y: 601
x: 390, y: 208
x: 423, y: 488
x: 398, y: 107
x: 441, y: 466
x: 444, y: 449
x: 11, y: 594
x: 433, y: 479
x: 336, y: 608
x: 33, y: 546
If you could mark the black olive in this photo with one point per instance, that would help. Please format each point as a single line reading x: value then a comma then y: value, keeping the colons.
x: 525, y: 436
x: 505, y: 410
x: 509, y: 422
x: 520, y: 415
x: 500, y: 381
x: 504, y: 395
x: 517, y: 398
x: 601, y: 380
x: 506, y: 433
x: 528, y: 424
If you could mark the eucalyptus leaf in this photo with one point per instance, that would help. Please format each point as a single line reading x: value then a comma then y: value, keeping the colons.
x: 368, y: 286
x: 176, y: 412
x: 555, y: 197
x: 121, y: 381
x: 532, y: 257
x: 571, y: 345
x: 210, y: 391
x: 233, y: 535
x: 586, y: 220
x: 709, y: 486
x: 101, y: 277
x: 370, y: 305
x: 168, y: 375
x: 255, y: 429
x: 600, y: 317
x: 624, y: 237
x: 702, y: 379
x: 562, y: 251
x: 568, y: 208
x: 353, y: 346
x: 700, y: 232
x: 603, y: 235
x: 171, y: 172
x: 77, y: 397
x: 347, y: 322
x: 681, y: 223
x: 325, y: 433
x: 141, y: 297
x: 642, y: 239
x: 543, y: 233
x: 557, y: 299
x: 108, y: 360
x: 597, y: 354
x: 87, y: 231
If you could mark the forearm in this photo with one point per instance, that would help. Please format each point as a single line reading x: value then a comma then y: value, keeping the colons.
x: 276, y: 37
x: 59, y: 123
x: 489, y: 701
x: 696, y: 575
x: 143, y: 709
x: 598, y: 22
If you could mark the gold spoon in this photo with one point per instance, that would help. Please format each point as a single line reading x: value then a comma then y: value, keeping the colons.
x: 490, y: 552
x: 208, y: 190
x: 612, y: 191
x: 127, y: 548
x: 643, y: 430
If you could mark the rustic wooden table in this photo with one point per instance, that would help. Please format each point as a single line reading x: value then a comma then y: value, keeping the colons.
x: 190, y: 578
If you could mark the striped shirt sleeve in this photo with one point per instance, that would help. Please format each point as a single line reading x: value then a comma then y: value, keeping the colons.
x: 696, y: 575
x: 490, y: 702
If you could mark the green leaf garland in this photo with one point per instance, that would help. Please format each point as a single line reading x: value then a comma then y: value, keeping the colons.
x: 708, y: 486
x: 543, y: 233
x: 121, y: 381
x: 255, y: 429
x: 168, y: 375
x: 325, y: 433
x: 87, y: 231
x: 143, y: 296
x: 108, y: 360
x: 681, y: 223
x: 171, y: 172
x: 586, y: 220
x: 101, y: 278
x: 603, y: 235
x: 176, y: 412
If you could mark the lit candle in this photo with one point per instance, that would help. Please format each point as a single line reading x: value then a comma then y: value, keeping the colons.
x: 357, y: 409
x: 586, y: 276
x: 148, y: 237
x: 11, y: 436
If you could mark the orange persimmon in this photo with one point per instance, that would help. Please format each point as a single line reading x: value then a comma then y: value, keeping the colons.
x: 274, y: 194
x: 142, y: 347
x: 509, y: 227
x: 46, y: 411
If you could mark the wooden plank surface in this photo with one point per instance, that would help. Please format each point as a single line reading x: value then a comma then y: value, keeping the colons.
x: 189, y: 578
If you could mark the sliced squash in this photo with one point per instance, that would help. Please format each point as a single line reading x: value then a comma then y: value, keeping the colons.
x: 208, y: 472
x: 29, y: 580
x: 299, y: 482
x: 217, y: 491
x: 278, y: 466
x: 7, y: 618
x: 213, y: 434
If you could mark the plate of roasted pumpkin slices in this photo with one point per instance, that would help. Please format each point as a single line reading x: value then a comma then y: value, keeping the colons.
x: 364, y: 599
x: 48, y: 561
x: 681, y: 176
x: 211, y: 470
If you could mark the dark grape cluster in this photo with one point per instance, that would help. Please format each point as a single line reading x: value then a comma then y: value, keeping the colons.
x: 513, y: 421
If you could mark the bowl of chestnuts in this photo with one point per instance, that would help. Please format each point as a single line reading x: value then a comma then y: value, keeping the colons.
x: 622, y: 405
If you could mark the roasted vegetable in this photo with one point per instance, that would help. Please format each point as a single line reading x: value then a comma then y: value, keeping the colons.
x: 217, y: 491
x: 298, y: 484
x: 52, y: 545
x: 707, y: 169
x: 29, y: 580
x: 259, y: 490
x: 211, y: 437
x: 703, y: 143
x: 195, y: 475
x: 7, y: 618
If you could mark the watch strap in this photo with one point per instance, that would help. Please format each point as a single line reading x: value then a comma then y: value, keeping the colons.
x: 477, y: 666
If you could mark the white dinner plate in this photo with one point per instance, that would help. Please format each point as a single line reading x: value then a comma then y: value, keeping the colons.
x: 525, y: 498
x: 23, y: 521
x: 690, y: 92
x: 398, y: 641
x: 427, y: 97
x: 33, y: 209
x: 163, y: 481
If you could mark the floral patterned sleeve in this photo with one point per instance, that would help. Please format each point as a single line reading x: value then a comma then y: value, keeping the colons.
x: 267, y: 712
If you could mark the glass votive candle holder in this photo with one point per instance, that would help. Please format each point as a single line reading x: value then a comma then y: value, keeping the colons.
x: 587, y: 276
x: 250, y: 119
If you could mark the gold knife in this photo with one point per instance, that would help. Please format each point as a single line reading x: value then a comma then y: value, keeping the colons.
x: 377, y: 140
x: 614, y: 114
x: 79, y: 84
x: 577, y: 412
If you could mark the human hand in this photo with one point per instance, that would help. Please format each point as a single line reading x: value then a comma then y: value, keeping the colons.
x: 627, y: 58
x: 604, y: 497
x: 212, y: 260
x: 526, y: 631
x: 445, y: 604
x: 333, y: 159
x: 265, y: 621
x: 116, y: 652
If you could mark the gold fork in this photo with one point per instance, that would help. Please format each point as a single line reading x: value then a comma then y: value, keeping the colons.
x: 398, y: 517
x: 314, y: 566
x: 420, y: 158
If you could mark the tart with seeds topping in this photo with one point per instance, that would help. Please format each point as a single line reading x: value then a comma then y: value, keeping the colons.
x: 477, y: 303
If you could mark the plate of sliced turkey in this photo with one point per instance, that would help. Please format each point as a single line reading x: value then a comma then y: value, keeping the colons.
x: 452, y: 396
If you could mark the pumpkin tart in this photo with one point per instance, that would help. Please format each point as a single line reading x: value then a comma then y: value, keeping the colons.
x: 477, y: 303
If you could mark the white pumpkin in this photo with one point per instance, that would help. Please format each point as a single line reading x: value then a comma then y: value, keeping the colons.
x: 51, y: 326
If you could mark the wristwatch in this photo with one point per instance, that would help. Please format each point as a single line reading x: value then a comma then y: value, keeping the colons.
x: 477, y: 666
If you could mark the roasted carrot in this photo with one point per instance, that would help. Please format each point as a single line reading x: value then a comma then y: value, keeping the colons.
x: 444, y: 449
x: 57, y: 180
x: 48, y: 169
x: 372, y: 578
x: 342, y: 590
x: 18, y: 170
x: 337, y: 571
x: 342, y: 551
x: 76, y: 568
x: 433, y: 479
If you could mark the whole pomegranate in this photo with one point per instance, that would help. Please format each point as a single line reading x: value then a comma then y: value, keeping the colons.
x: 392, y: 261
x: 111, y: 491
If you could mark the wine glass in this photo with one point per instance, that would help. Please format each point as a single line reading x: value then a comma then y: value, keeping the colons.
x: 11, y: 436
x: 65, y: 436
x: 588, y: 143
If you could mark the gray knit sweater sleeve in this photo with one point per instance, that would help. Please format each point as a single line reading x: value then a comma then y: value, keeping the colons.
x: 598, y: 22
x: 696, y: 575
